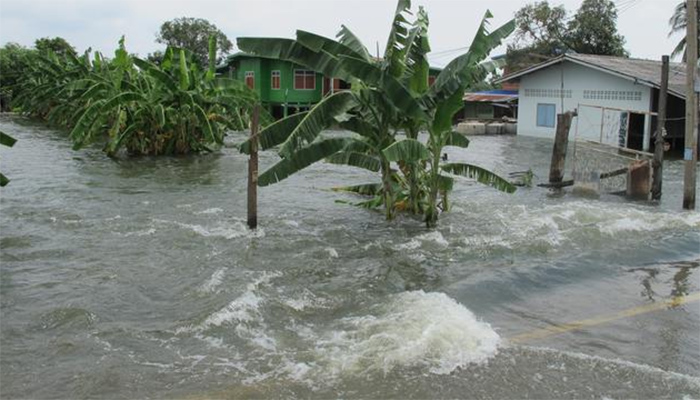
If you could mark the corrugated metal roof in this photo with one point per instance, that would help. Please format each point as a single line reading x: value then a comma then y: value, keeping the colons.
x: 492, y: 96
x: 646, y: 72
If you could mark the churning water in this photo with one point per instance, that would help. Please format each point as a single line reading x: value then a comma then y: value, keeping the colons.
x: 138, y: 278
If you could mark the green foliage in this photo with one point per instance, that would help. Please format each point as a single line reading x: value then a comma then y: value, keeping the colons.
x: 679, y: 25
x: 389, y: 96
x: 9, y: 141
x: 593, y: 30
x: 543, y: 32
x: 57, y: 45
x: 132, y: 104
x: 193, y: 34
x: 14, y: 60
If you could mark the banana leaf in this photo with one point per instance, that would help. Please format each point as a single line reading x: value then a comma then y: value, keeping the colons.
x: 291, y: 50
x: 394, y: 91
x: 408, y: 150
x: 456, y: 139
x: 7, y: 140
x: 355, y: 159
x: 301, y: 159
x: 480, y: 174
x: 275, y: 133
x: 349, y: 39
x: 320, y: 117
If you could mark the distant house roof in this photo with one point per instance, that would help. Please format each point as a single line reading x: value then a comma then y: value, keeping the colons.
x: 645, y: 72
x: 492, y: 96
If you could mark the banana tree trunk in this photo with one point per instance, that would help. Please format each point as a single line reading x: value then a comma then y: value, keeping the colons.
x: 431, y: 214
x: 388, y: 190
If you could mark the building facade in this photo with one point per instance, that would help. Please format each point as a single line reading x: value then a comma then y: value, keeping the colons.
x: 284, y: 87
x: 616, y: 99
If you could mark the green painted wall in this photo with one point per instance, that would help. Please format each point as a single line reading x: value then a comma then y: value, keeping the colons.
x: 263, y: 81
x: 263, y: 68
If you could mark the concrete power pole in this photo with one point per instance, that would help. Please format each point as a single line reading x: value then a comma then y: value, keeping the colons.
x: 661, y: 123
x: 690, y: 154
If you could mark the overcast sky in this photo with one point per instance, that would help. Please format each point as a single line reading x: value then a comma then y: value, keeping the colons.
x: 100, y: 23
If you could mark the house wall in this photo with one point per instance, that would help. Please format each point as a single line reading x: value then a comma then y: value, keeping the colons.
x: 563, y: 85
x: 263, y: 81
x: 251, y: 64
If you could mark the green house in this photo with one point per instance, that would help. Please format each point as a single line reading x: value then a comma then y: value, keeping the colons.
x: 284, y: 87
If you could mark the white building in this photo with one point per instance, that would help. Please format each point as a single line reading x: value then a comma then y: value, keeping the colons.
x: 590, y: 83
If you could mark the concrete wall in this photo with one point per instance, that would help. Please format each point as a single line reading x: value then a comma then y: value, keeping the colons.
x: 581, y: 85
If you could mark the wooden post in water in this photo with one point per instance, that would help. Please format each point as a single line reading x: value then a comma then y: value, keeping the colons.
x: 253, y: 170
x: 561, y: 142
x: 690, y: 153
x: 658, y: 163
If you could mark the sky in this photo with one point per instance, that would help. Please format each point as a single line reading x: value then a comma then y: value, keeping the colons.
x: 100, y: 23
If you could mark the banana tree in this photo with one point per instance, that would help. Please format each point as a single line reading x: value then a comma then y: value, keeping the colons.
x: 169, y: 109
x: 388, y: 96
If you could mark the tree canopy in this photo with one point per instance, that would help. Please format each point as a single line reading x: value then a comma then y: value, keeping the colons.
x: 193, y: 34
x: 58, y: 45
x: 679, y: 24
x: 544, y: 32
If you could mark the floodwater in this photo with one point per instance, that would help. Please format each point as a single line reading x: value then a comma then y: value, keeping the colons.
x: 139, y: 279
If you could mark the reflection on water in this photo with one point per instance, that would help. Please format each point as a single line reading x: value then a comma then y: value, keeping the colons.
x: 680, y: 281
x: 138, y: 278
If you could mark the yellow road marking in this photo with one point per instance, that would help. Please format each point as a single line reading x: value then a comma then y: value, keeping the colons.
x: 572, y: 326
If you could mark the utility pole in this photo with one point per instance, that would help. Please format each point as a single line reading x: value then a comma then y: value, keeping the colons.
x: 561, y: 142
x: 690, y: 155
x: 253, y: 170
x: 660, y: 128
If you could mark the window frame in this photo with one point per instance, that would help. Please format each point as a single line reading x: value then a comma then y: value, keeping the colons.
x: 304, y: 73
x: 546, y: 106
x: 276, y: 74
x: 249, y: 74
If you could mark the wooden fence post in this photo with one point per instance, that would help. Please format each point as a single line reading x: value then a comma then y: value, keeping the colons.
x: 253, y: 170
x: 561, y: 142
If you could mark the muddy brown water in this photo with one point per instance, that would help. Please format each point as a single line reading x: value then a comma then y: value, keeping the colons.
x: 138, y: 278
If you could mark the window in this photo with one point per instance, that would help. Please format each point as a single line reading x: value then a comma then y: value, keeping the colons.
x: 275, y: 81
x: 545, y: 115
x: 304, y: 79
x: 250, y: 79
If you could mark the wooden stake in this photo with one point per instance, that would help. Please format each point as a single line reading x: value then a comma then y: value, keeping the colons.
x: 690, y: 154
x: 253, y: 171
x: 561, y: 142
x: 658, y: 163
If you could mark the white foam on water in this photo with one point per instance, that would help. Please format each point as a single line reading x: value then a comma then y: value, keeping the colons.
x: 145, y: 232
x: 552, y: 225
x: 306, y: 300
x: 225, y: 230
x: 333, y: 253
x: 292, y: 223
x: 244, y: 308
x: 413, y: 329
x: 215, y: 210
x: 214, y: 281
x: 643, y: 368
x: 433, y: 237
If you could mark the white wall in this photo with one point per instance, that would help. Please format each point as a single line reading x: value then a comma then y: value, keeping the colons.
x: 545, y: 86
